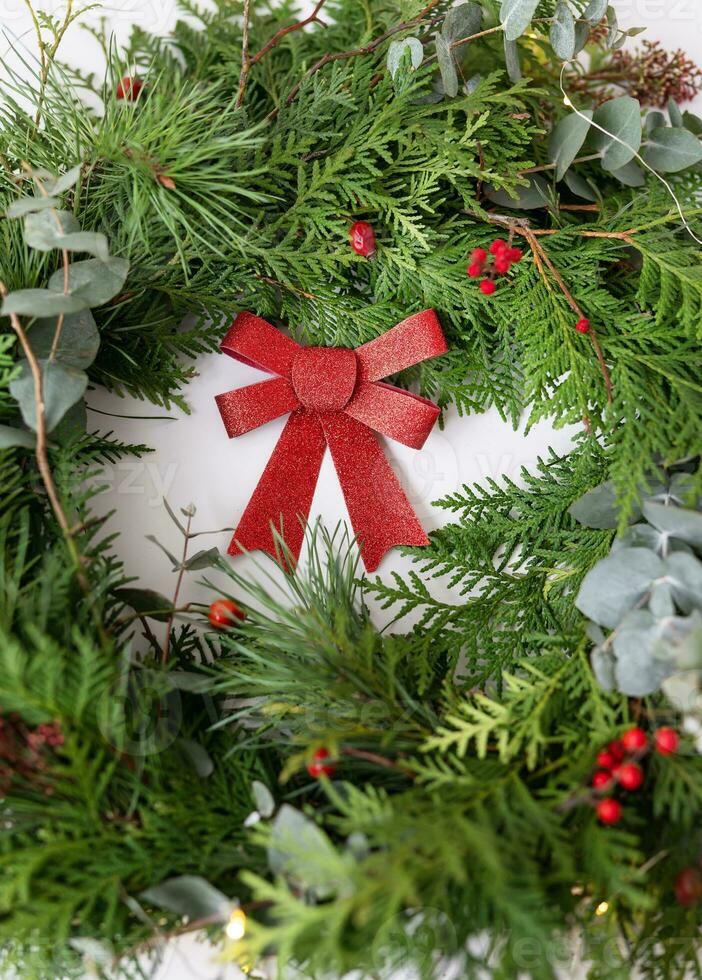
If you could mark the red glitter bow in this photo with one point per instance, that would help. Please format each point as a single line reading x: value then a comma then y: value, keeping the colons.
x: 336, y: 400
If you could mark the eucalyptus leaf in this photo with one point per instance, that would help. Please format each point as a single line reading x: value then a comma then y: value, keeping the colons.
x: 672, y: 150
x: 612, y: 27
x: 516, y: 15
x: 536, y: 195
x: 93, y: 951
x: 302, y: 852
x: 654, y: 120
x: 398, y: 48
x: 676, y: 116
x: 79, y: 339
x: 675, y: 521
x: 73, y: 425
x: 567, y: 139
x: 631, y: 175
x: 621, y: 118
x: 512, y: 63
x: 462, y: 21
x: 190, y: 895
x: 562, y: 34
x: 202, y: 559
x: 693, y: 123
x: 48, y: 230
x: 447, y: 66
x: 598, y: 508
x: 28, y: 205
x: 62, y: 387
x: 684, y: 573
x: 639, y: 671
x: 198, y: 756
x: 64, y: 182
x: 146, y: 602
x: 582, y: 36
x: 579, y: 186
x: 40, y: 302
x: 265, y: 804
x: 617, y: 583
x: 595, y: 11
x: 94, y: 281
x: 604, y: 667
x: 11, y: 437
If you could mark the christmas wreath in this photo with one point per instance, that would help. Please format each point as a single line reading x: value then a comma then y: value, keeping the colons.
x: 514, y: 778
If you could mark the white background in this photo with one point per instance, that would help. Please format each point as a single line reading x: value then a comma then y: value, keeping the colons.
x: 195, y: 462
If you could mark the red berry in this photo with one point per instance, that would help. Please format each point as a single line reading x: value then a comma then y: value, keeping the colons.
x: 609, y: 811
x: 601, y: 779
x: 487, y: 287
x: 502, y: 264
x: 515, y: 255
x: 478, y: 255
x: 688, y: 887
x: 225, y: 613
x: 605, y: 760
x: 583, y: 326
x: 634, y: 740
x: 499, y: 245
x: 362, y: 238
x: 129, y: 88
x: 616, y: 748
x: 475, y: 270
x: 667, y: 741
x: 318, y: 767
x: 629, y: 775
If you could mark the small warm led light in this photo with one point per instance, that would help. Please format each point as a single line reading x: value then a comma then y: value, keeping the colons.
x: 566, y: 101
x: 236, y: 927
x: 602, y: 908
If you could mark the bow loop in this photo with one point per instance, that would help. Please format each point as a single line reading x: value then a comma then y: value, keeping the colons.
x: 336, y: 400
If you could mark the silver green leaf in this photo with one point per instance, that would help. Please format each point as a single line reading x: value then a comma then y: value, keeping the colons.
x: 617, y: 584
x: 64, y: 182
x: 512, y: 63
x: 202, y: 559
x: 11, y: 437
x: 190, y: 895
x: 447, y: 66
x: 654, y: 120
x: 302, y: 852
x: 612, y: 27
x: 579, y: 186
x: 676, y: 522
x: 398, y: 48
x: 78, y: 343
x: 198, y: 755
x: 598, y: 508
x: 28, y: 205
x: 62, y: 387
x: 516, y: 15
x: 631, y: 175
x: 595, y: 11
x: 582, y: 36
x: 536, y: 195
x: 94, y: 281
x: 562, y: 34
x: 672, y: 150
x: 265, y: 804
x: 640, y: 670
x: 621, y: 119
x: 48, y: 230
x: 40, y: 302
x: 693, y: 123
x: 684, y: 573
x: 462, y: 21
x: 676, y: 116
x: 567, y: 139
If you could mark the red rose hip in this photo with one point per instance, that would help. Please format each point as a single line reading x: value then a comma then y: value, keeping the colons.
x: 609, y: 812
x: 634, y: 740
x: 129, y: 88
x: 362, y: 238
x: 667, y: 741
x: 225, y: 613
x: 319, y: 767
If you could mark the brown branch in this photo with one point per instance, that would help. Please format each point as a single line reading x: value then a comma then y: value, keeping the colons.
x: 328, y: 58
x: 377, y: 760
x: 248, y: 62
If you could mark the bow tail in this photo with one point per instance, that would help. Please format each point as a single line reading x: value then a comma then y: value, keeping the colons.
x: 381, y: 515
x: 283, y: 497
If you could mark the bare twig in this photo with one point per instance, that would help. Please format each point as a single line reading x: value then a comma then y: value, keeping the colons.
x: 47, y: 53
x: 179, y: 582
x: 247, y: 62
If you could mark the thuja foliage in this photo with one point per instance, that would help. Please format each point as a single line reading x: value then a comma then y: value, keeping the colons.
x: 154, y: 775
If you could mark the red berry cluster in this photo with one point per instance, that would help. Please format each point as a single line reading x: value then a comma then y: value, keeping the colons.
x: 24, y: 752
x: 225, y: 613
x: 688, y: 887
x: 498, y: 263
x: 319, y: 766
x: 129, y: 88
x: 362, y: 238
x: 619, y: 765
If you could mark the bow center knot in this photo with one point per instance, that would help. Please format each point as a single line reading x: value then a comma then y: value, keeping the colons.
x: 324, y: 378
